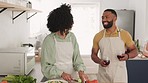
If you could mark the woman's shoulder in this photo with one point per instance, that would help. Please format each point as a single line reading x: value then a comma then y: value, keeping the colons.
x: 49, y: 37
x: 71, y: 34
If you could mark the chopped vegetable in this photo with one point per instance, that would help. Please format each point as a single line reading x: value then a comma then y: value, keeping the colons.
x: 19, y: 79
x: 79, y: 80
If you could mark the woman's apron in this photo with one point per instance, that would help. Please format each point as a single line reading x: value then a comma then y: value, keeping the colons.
x: 64, y: 55
x: 116, y: 71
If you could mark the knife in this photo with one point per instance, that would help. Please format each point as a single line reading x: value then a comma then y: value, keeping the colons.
x: 75, y: 80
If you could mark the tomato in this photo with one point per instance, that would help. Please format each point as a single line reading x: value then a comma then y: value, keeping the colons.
x: 4, y: 82
x: 92, y: 81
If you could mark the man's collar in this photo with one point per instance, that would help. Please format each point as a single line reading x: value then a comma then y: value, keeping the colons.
x: 115, y: 32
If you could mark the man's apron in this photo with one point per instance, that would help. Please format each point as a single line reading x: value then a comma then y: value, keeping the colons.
x: 116, y: 71
x: 64, y: 55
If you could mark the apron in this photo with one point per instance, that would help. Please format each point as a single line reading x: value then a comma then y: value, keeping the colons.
x: 64, y: 55
x: 116, y: 71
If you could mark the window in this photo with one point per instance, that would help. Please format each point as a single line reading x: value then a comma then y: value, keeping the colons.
x: 86, y: 24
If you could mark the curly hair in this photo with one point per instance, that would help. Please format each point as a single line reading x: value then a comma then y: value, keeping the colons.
x: 60, y: 19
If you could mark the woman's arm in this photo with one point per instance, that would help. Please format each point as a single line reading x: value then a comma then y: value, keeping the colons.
x: 77, y: 60
x: 48, y: 68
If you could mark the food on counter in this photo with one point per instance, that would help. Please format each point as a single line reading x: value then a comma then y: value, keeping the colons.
x: 4, y: 81
x: 19, y: 79
x: 79, y: 80
x: 55, y: 82
x: 92, y: 81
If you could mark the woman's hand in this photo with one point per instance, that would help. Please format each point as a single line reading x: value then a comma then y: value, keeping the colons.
x: 83, y: 76
x: 66, y: 76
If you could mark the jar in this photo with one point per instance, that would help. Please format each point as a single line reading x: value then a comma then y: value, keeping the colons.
x: 145, y: 50
x: 29, y: 4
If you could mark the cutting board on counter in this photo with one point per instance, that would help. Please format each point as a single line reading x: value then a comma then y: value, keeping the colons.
x: 56, y: 81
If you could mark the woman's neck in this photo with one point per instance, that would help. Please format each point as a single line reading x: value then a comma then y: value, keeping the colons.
x: 60, y: 35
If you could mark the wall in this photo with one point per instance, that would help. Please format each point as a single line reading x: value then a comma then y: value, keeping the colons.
x: 141, y: 31
x: 114, y: 4
x: 146, y: 20
x: 13, y: 34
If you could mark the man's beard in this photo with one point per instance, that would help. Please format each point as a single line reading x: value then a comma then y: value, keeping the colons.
x: 109, y: 25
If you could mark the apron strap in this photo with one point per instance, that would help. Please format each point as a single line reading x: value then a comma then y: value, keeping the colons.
x: 54, y: 39
x: 104, y: 33
x: 118, y: 30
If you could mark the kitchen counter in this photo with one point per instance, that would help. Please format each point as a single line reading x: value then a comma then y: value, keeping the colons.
x: 139, y: 57
x: 137, y: 69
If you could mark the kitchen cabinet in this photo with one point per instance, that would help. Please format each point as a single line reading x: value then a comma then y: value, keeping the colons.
x: 137, y: 70
x: 17, y: 61
x: 16, y: 8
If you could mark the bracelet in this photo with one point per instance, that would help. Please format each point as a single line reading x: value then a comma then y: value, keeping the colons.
x: 127, y: 55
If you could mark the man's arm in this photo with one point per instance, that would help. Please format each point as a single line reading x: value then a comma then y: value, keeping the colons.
x: 94, y: 55
x: 133, y: 52
x: 130, y: 53
x: 96, y: 59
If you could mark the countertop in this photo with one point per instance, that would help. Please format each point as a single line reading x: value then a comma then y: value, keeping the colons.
x: 139, y: 57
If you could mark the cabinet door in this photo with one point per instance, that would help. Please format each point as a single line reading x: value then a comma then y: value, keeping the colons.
x: 11, y: 63
x: 137, y: 71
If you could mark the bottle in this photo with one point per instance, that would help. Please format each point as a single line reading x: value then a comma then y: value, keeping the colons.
x: 138, y: 46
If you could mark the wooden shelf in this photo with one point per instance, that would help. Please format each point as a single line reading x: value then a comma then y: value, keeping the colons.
x: 14, y: 7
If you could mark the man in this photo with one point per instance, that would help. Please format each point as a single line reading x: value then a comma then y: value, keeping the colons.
x: 112, y: 41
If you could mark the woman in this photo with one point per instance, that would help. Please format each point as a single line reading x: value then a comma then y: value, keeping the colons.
x: 60, y: 56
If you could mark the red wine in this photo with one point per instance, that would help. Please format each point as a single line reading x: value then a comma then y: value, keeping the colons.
x: 119, y: 56
x: 107, y: 62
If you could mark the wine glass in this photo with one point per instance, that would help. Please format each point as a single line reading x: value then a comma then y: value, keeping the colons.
x: 119, y: 54
x: 106, y: 60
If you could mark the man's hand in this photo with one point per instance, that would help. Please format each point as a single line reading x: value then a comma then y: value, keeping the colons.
x: 124, y: 57
x: 102, y: 63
